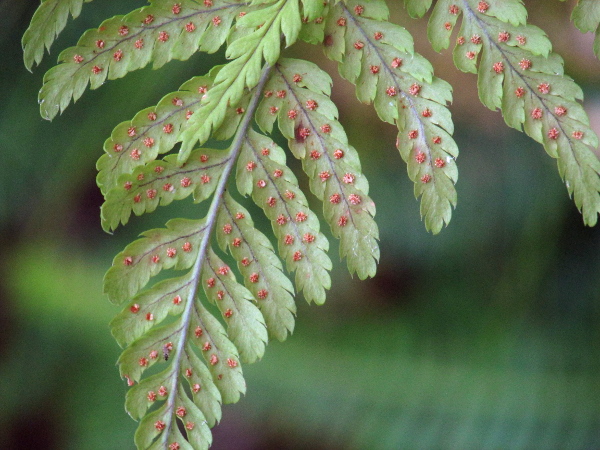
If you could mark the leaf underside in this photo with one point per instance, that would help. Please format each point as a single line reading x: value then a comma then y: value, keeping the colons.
x: 206, y: 318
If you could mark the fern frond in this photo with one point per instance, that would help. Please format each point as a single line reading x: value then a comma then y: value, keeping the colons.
x: 260, y: 267
x: 163, y: 181
x: 46, y: 24
x: 586, y: 17
x: 156, y: 33
x: 417, y: 8
x: 298, y: 96
x: 257, y: 37
x: 185, y: 245
x: 519, y: 74
x: 379, y: 58
x: 262, y: 173
x: 152, y: 131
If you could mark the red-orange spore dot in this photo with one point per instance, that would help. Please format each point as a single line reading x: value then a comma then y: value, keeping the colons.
x: 196, y: 388
x: 152, y: 116
x: 143, y: 362
x: 312, y: 105
x: 326, y: 128
x: 396, y: 62
x: 460, y: 40
x: 149, y: 142
x: 519, y: 92
x: 185, y: 182
x: 281, y: 220
x: 96, y: 70
x: 159, y: 425
x: 338, y: 154
x: 476, y: 39
x: 271, y: 202
x: 135, y: 154
x: 289, y: 194
x: 448, y: 26
x: 277, y: 173
x: 204, y: 179
x: 239, y: 216
x: 348, y: 178
x: 240, y: 111
x: 148, y: 19
x: 124, y: 30
x: 198, y: 332
x: 374, y: 70
x: 210, y: 282
x: 308, y: 238
x: 314, y: 155
x: 413, y: 134
x: 525, y: 64
x: 139, y: 44
x: 253, y: 278
x: 216, y: 21
x: 262, y: 294
x: 335, y: 198
x: 426, y: 112
x: 227, y: 228
x: 171, y: 252
x: 224, y: 270
x: 151, y: 396
x: 536, y: 113
x: 414, y: 89
x: 78, y: 59
x: 156, y: 259
x: 100, y: 43
x: 391, y: 91
x: 482, y: 7
x: 245, y: 262
x: 167, y: 187
x: 151, y: 193
x: 439, y: 163
x: 498, y: 67
x: 453, y: 10
x: 288, y: 239
x: 503, y: 36
x: 420, y: 157
x: 177, y: 101
x: 522, y: 40
x: 470, y: 55
x: 265, y: 152
x: 436, y: 140
x: 297, y: 256
x: 553, y: 134
x: 292, y: 114
x: 213, y: 360
x: 378, y: 35
x: 301, y: 216
x: 134, y: 308
x: 341, y: 22
x: 149, y: 317
x: 426, y: 178
x: 359, y: 45
x: 261, y: 183
x: 324, y: 175
x: 153, y: 354
x: 577, y: 135
x: 250, y: 166
x: 168, y: 128
x: 273, y: 110
x: 560, y: 111
x: 137, y: 198
x: 354, y: 199
x: 342, y: 221
x: 117, y: 148
x: 228, y: 313
x: 187, y: 247
x: 177, y: 300
x: 206, y: 347
x: 176, y: 9
x: 162, y: 391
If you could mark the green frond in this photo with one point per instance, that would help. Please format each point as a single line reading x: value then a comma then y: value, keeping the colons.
x: 298, y: 96
x: 245, y: 323
x: 173, y: 247
x: 257, y: 38
x: 156, y: 33
x: 262, y: 173
x: 260, y: 267
x: 46, y: 24
x: 586, y: 17
x: 163, y: 181
x: 417, y: 8
x: 519, y: 74
x: 152, y: 131
x: 378, y: 57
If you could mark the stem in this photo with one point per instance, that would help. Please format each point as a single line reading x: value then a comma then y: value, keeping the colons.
x: 211, y: 219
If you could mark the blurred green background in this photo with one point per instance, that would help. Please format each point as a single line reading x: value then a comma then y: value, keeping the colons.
x: 485, y: 336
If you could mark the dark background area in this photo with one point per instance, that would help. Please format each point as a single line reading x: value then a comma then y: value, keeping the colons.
x: 484, y: 336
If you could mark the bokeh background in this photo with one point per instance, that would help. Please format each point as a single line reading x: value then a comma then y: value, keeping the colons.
x: 484, y: 336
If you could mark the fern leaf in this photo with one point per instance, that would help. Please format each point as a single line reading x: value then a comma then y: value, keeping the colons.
x: 417, y: 8
x: 248, y: 49
x: 298, y: 96
x: 261, y: 269
x: 379, y: 58
x: 142, y: 326
x: 163, y: 181
x: 46, y: 24
x: 262, y: 173
x: 156, y: 33
x: 586, y: 17
x: 518, y: 73
x: 152, y: 131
